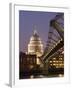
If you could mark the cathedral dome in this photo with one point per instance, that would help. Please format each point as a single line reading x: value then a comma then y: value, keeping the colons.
x: 35, y: 45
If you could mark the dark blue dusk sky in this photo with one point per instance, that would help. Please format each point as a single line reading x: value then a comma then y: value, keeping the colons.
x: 27, y: 21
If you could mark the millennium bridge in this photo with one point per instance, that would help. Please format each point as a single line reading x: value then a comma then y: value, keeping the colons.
x: 53, y: 57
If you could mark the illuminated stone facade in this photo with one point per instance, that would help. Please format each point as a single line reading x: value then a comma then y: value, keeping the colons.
x: 35, y: 45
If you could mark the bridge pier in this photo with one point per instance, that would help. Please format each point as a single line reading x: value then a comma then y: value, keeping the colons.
x: 45, y: 69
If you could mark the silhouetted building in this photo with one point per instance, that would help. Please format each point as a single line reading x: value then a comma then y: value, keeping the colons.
x: 26, y: 61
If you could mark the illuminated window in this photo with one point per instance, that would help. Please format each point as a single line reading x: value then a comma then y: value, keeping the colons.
x: 54, y: 64
x: 54, y: 61
x: 60, y: 58
x: 54, y: 58
x: 50, y: 61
